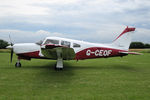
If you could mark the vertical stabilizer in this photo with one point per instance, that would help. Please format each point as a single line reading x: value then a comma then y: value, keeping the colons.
x: 124, y: 39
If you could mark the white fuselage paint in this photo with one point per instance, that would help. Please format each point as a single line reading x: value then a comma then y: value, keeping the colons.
x: 32, y: 47
x: 26, y: 47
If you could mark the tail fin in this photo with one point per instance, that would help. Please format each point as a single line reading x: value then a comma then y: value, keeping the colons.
x: 124, y: 39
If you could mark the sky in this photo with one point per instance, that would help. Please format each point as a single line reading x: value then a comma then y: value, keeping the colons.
x: 99, y: 21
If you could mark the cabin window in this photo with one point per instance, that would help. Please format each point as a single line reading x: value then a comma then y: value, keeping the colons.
x: 50, y: 41
x: 65, y: 43
x: 75, y: 45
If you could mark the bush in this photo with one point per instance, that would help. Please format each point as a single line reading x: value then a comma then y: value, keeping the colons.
x: 147, y: 45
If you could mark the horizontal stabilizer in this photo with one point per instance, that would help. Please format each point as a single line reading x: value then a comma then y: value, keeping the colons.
x: 133, y: 53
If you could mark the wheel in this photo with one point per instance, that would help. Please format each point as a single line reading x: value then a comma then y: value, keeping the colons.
x: 18, y: 64
x: 60, y: 68
x: 57, y: 69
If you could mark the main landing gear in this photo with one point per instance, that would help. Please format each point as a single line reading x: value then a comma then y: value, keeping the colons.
x: 59, y: 65
x: 18, y: 64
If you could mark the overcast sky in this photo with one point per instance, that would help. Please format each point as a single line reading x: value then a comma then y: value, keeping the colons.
x: 88, y: 20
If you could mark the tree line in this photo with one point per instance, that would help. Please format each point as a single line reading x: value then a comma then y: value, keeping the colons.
x: 133, y: 45
x: 139, y: 45
x: 3, y: 44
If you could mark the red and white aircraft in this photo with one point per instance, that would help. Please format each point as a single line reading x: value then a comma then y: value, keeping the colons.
x: 67, y: 49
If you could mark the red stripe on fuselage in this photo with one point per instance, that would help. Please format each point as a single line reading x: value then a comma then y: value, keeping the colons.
x: 34, y: 54
x: 98, y: 52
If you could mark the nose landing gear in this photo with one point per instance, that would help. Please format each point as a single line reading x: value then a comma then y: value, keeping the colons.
x: 18, y: 64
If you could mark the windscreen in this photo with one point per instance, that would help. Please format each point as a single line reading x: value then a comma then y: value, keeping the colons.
x: 51, y: 41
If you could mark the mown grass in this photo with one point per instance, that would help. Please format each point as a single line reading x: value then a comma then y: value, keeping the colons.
x: 4, y: 51
x: 126, y: 78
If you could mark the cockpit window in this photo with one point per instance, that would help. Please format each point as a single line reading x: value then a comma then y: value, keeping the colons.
x: 75, y: 45
x: 65, y: 43
x: 40, y: 42
x: 50, y: 41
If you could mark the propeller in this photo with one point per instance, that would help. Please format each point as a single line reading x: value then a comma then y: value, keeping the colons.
x: 11, y: 47
x: 11, y: 57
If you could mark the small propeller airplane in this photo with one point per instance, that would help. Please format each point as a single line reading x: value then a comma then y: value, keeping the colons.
x: 60, y: 49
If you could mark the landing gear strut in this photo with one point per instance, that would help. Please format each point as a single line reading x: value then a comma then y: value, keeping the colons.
x: 18, y: 64
x: 59, y: 64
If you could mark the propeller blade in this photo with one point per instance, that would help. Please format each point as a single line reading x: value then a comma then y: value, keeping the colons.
x: 10, y: 41
x: 11, y: 57
x: 11, y: 47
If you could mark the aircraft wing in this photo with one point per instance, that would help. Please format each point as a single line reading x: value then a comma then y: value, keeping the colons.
x: 57, y: 51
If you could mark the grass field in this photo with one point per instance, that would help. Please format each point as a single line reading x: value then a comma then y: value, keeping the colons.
x: 140, y: 50
x: 126, y: 78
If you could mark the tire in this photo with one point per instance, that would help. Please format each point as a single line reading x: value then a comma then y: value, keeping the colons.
x: 18, y: 64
